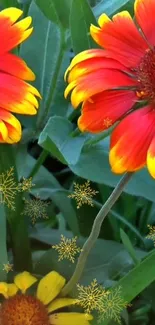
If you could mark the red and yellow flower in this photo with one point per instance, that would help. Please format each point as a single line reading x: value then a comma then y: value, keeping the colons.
x: 16, y: 95
x: 112, y: 83
x: 44, y: 308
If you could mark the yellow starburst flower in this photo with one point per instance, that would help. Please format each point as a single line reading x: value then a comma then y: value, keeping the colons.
x: 67, y: 249
x: 45, y: 307
x: 26, y: 184
x: 35, y: 209
x: 8, y: 188
x: 83, y: 194
x: 7, y: 267
x: 151, y: 234
x: 111, y: 306
x: 90, y: 296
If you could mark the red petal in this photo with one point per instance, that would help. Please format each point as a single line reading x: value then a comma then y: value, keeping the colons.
x: 86, y: 61
x: 17, y: 96
x: 15, y: 66
x: 13, y: 33
x: 95, y: 82
x: 10, y: 128
x: 131, y: 139
x: 105, y: 109
x: 120, y: 38
x: 145, y: 13
x: 93, y: 64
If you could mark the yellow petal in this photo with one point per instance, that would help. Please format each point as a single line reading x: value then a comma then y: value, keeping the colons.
x: 4, y: 289
x: 12, y: 289
x: 60, y: 303
x: 50, y: 286
x: 24, y: 281
x: 12, y: 13
x: 70, y: 319
x: 24, y: 23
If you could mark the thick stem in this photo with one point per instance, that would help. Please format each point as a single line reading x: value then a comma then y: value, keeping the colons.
x: 95, y: 233
x: 18, y: 228
x: 38, y: 163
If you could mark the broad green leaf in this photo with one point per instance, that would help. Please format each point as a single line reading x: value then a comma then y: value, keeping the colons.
x: 93, y: 164
x: 108, y: 6
x: 56, y: 11
x: 81, y: 17
x: 128, y: 245
x: 107, y: 261
x: 43, y: 52
x: 58, y: 140
x: 3, y: 250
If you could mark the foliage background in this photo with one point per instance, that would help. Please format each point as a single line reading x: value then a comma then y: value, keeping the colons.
x: 56, y: 155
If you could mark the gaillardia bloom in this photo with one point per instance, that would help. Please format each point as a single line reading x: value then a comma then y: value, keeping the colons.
x: 20, y: 308
x: 112, y: 83
x: 16, y: 95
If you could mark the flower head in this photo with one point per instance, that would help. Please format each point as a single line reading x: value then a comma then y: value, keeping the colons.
x: 7, y: 267
x: 113, y: 83
x: 8, y: 188
x: 111, y: 306
x: 26, y: 184
x: 16, y: 95
x: 44, y: 308
x: 151, y: 234
x: 67, y: 248
x: 35, y: 209
x: 89, y: 297
x: 83, y: 194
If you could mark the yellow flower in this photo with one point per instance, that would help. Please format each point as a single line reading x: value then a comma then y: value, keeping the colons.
x: 22, y: 308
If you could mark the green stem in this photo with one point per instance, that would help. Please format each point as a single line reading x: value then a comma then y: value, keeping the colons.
x: 95, y: 233
x: 38, y: 164
x: 18, y: 228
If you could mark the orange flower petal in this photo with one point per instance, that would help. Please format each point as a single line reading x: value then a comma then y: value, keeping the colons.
x: 10, y: 128
x: 105, y: 109
x: 89, y: 65
x: 145, y: 13
x: 15, y: 66
x: 95, y: 82
x: 120, y: 38
x: 12, y: 33
x: 17, y: 96
x: 151, y: 158
x: 87, y: 55
x: 131, y: 139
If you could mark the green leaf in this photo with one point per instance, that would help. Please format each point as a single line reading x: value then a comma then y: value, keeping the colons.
x: 108, y: 6
x: 46, y: 48
x: 9, y: 3
x: 58, y: 140
x: 81, y: 17
x: 56, y: 11
x: 3, y: 250
x: 128, y: 245
x: 139, y: 278
x: 93, y: 165
x: 106, y: 262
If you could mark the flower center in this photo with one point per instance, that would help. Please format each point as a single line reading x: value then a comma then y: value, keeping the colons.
x: 23, y: 310
x: 146, y: 75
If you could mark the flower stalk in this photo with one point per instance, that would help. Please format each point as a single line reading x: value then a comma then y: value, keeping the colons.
x: 87, y: 247
x: 17, y: 226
